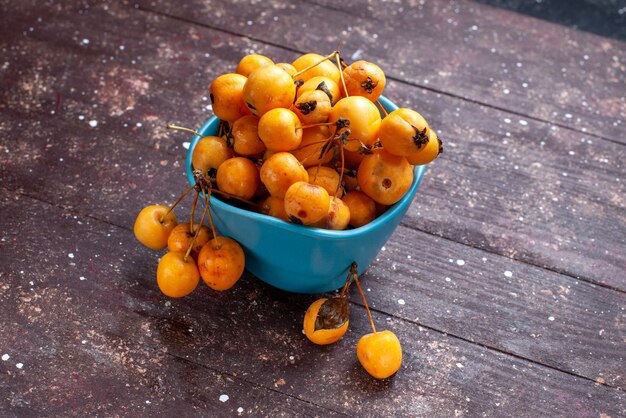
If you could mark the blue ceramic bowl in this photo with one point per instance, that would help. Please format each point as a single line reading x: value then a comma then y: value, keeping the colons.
x: 297, y: 258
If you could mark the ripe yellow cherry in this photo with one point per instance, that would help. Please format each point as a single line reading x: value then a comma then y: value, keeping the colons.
x: 324, y: 84
x: 306, y: 203
x: 280, y: 171
x: 312, y: 107
x: 274, y: 206
x: 427, y: 153
x: 364, y: 79
x: 209, y: 153
x: 181, y: 237
x: 251, y: 62
x: 380, y: 353
x: 221, y: 263
x: 326, y: 177
x: 152, y: 228
x: 364, y: 120
x: 321, y: 336
x: 384, y: 177
x: 176, y: 276
x: 362, y: 208
x: 280, y: 130
x: 246, y: 139
x: 238, y: 176
x: 403, y: 132
x: 338, y: 216
x: 267, y: 88
x: 325, y: 68
x: 227, y: 97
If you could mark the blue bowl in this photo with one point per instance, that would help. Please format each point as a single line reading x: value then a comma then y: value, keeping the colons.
x: 297, y: 258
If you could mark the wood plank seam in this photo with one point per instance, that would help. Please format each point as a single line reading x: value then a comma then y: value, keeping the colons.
x: 397, y: 80
x: 589, y: 280
x: 252, y: 383
x: 355, y: 303
x: 405, y: 224
x: 487, y: 346
x: 215, y: 28
x: 505, y: 110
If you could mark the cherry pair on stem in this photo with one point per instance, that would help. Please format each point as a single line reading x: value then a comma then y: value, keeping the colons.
x: 327, y: 319
x: 193, y: 250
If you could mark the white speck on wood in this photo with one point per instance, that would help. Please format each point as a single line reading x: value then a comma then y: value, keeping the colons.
x: 5, y: 357
x: 358, y: 54
x: 224, y: 398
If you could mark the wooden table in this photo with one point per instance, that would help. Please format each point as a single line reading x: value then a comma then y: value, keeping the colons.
x: 505, y: 282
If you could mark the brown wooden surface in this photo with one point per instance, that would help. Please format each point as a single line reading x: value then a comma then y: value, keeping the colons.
x: 519, y: 189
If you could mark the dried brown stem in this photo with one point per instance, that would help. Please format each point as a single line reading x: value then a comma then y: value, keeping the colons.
x: 367, y: 308
x: 181, y: 128
x: 182, y: 196
x: 193, y: 210
x: 382, y: 108
x: 343, y: 82
x: 207, y: 203
x: 346, y: 286
x: 195, y: 236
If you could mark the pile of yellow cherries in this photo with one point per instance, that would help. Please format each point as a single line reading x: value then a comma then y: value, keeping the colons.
x: 307, y: 142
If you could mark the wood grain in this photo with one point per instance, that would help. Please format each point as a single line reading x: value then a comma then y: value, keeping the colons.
x: 464, y: 49
x: 510, y: 311
x: 524, y: 218
x: 72, y: 165
x: 510, y: 185
x: 81, y: 341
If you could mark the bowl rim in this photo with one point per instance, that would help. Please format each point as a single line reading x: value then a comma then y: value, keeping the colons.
x: 313, y: 232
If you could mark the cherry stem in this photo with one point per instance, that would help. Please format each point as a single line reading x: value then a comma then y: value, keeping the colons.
x: 346, y: 286
x: 343, y: 166
x: 382, y: 108
x: 207, y: 203
x: 343, y: 82
x: 367, y: 308
x: 181, y: 128
x: 195, y: 236
x: 182, y: 196
x: 193, y: 211
x: 304, y: 70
